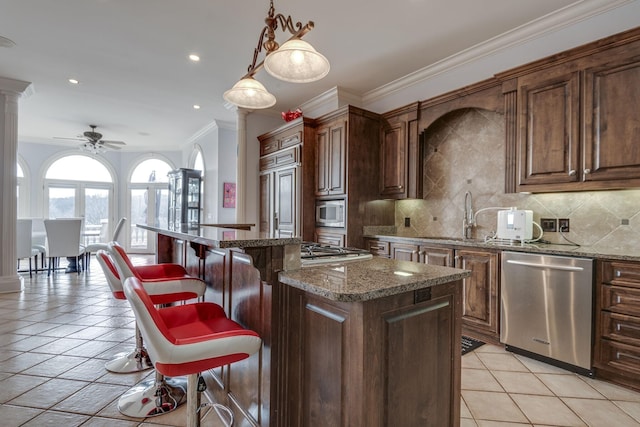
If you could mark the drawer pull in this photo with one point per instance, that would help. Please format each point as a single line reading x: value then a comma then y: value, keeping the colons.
x: 619, y: 327
x: 620, y: 354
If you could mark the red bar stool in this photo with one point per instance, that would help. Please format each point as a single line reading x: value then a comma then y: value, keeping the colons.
x: 166, y: 284
x: 189, y: 339
x: 138, y: 359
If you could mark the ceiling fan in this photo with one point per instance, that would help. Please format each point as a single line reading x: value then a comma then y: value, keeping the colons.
x: 93, y: 141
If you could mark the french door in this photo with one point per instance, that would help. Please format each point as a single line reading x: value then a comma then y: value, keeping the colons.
x: 91, y: 201
x: 148, y: 205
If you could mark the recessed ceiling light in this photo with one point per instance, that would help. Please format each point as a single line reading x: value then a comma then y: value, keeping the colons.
x: 196, y: 107
x: 74, y: 81
x: 194, y: 57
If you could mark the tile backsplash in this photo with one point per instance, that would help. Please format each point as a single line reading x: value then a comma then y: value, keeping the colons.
x: 464, y: 151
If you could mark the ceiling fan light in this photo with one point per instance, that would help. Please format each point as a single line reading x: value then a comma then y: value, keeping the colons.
x: 250, y: 93
x: 296, y: 61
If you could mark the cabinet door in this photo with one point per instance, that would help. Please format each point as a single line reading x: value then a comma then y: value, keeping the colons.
x: 327, y: 238
x: 378, y: 247
x: 480, y: 291
x: 548, y: 141
x: 331, y: 142
x: 436, y: 256
x: 404, y: 251
x: 393, y: 160
x: 266, y: 202
x: 286, y: 202
x: 612, y: 103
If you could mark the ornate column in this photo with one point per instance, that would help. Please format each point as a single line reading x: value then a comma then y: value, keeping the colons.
x: 241, y: 167
x: 10, y: 91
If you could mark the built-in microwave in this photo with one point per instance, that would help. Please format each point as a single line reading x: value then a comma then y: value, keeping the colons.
x: 330, y: 213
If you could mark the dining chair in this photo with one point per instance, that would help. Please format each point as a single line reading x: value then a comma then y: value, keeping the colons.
x: 39, y: 238
x: 63, y: 240
x: 24, y: 245
x: 103, y: 243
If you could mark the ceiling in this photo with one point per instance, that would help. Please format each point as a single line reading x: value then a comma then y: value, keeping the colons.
x: 137, y: 84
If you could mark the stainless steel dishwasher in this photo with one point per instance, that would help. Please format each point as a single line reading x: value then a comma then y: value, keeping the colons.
x: 546, y: 308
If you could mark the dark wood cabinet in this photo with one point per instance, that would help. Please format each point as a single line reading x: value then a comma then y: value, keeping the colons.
x: 577, y: 117
x: 404, y: 251
x: 400, y: 154
x: 331, y: 168
x: 611, y: 124
x: 549, y: 113
x: 392, y: 361
x: 287, y: 162
x: 377, y: 247
x: 436, y: 255
x: 325, y: 237
x: 617, y: 332
x: 348, y: 167
x: 480, y: 291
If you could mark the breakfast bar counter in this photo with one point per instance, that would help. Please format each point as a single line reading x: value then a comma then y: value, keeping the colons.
x: 373, y: 342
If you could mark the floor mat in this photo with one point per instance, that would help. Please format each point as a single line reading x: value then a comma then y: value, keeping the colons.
x: 470, y: 344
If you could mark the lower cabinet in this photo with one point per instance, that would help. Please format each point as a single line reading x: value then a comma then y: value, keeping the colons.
x: 617, y: 334
x: 480, y: 294
x: 393, y: 361
x: 481, y: 291
x: 329, y: 238
x: 404, y: 251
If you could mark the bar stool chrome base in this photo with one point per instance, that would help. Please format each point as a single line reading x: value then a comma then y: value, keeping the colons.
x: 126, y: 363
x: 153, y: 397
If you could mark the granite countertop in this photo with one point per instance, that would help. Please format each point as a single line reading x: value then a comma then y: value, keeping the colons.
x: 221, y: 237
x: 369, y: 279
x: 542, y: 248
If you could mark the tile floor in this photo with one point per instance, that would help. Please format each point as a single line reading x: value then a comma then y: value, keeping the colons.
x: 503, y: 389
x: 56, y: 335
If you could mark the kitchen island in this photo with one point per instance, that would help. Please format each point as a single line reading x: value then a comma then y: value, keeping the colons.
x: 373, y: 343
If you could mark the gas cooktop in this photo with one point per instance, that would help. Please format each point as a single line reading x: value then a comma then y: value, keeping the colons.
x: 312, y: 253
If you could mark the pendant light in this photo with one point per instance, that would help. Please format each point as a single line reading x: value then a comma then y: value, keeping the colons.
x: 295, y: 61
x: 250, y: 93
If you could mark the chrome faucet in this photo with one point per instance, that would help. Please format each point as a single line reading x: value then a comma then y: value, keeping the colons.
x: 468, y: 221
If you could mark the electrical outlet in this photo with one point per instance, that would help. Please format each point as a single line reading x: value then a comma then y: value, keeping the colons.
x: 407, y: 222
x: 563, y: 225
x: 549, y: 224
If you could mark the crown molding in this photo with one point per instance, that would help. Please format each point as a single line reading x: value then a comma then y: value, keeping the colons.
x: 330, y: 100
x: 552, y: 22
x: 18, y: 87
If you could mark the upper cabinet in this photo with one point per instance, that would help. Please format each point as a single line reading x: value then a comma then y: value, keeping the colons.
x: 347, y: 168
x: 331, y: 168
x: 576, y: 117
x: 287, y: 202
x: 400, y: 154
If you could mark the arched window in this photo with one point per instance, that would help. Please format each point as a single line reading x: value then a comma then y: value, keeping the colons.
x: 148, y: 201
x: 151, y: 170
x: 77, y: 185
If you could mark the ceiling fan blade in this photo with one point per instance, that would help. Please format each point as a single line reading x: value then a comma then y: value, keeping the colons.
x: 109, y: 145
x: 72, y: 139
x: 105, y: 141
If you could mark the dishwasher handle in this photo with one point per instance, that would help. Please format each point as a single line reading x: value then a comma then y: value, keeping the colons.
x: 547, y: 266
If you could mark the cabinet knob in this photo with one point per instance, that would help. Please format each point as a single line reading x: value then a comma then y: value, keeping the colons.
x: 572, y: 172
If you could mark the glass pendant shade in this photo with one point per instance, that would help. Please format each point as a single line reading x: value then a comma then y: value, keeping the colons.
x: 296, y: 61
x: 250, y: 93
